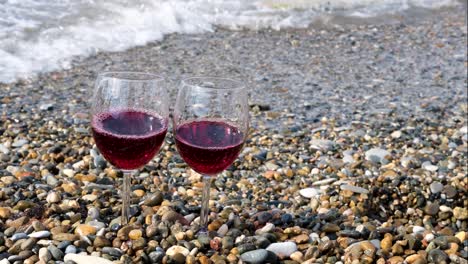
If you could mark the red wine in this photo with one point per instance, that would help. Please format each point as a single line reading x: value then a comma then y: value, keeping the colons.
x: 128, y: 139
x: 208, y: 147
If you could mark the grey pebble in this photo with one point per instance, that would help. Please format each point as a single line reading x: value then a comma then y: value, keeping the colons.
x: 115, y: 252
x: 18, y: 236
x: 19, y: 143
x: 436, y: 187
x: 156, y: 256
x: 257, y: 256
x: 71, y: 249
x: 56, y: 253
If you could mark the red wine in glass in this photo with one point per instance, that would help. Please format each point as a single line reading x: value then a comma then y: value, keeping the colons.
x: 129, y: 121
x: 210, y: 123
x: 128, y: 139
x: 208, y: 147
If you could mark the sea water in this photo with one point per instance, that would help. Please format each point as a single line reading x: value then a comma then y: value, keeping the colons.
x: 46, y: 35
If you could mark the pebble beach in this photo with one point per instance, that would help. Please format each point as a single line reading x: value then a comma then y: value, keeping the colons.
x: 357, y: 153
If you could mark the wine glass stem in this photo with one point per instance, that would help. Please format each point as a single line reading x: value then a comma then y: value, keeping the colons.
x: 205, y: 210
x: 127, y: 175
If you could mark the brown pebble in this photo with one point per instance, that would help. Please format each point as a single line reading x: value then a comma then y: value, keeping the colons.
x: 395, y: 260
x: 122, y: 234
x: 85, y: 230
x: 18, y: 222
x: 416, y: 259
x: 386, y: 242
x: 5, y: 212
x: 302, y: 238
x: 135, y: 234
x: 215, y: 225
x: 204, y: 260
x: 100, y: 242
x: 65, y: 237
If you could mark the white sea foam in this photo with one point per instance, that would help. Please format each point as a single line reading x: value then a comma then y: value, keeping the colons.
x: 45, y: 35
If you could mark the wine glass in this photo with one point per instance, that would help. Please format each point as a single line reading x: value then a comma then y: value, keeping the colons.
x: 129, y: 122
x: 210, y: 123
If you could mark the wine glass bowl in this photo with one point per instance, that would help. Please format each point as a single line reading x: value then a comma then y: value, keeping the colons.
x: 129, y: 122
x: 210, y: 124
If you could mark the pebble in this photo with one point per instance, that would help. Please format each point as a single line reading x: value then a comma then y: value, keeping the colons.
x: 429, y: 167
x: 436, y: 187
x: 266, y: 229
x: 83, y: 259
x: 431, y: 209
x: 71, y: 249
x: 157, y: 255
x: 5, y: 212
x: 354, y: 189
x: 438, y: 256
x: 40, y: 234
x: 85, y: 230
x: 18, y: 236
x: 257, y: 256
x: 53, y: 197
x: 460, y: 213
x: 309, y: 192
x: 321, y: 144
x: 135, y: 234
x: 177, y: 250
x: 223, y: 229
x: 56, y: 253
x: 69, y: 173
x: 377, y: 155
x: 282, y: 249
x: 4, y: 149
x: 44, y: 255
x: 418, y: 229
x: 115, y: 252
x: 19, y: 143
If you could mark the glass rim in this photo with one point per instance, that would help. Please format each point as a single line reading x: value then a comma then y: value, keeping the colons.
x: 237, y: 84
x: 124, y: 76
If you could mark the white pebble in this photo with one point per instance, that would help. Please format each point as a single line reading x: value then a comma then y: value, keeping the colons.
x: 315, y: 171
x: 429, y: 167
x: 464, y: 130
x: 40, y: 234
x: 89, y: 197
x: 324, y: 182
x: 410, y: 211
x: 377, y: 155
x: 355, y: 189
x: 83, y: 259
x: 53, y: 197
x: 4, y: 149
x: 429, y: 237
x: 314, y: 237
x: 223, y: 230
x: 78, y: 165
x: 418, y: 229
x: 396, y: 134
x: 266, y: 229
x: 309, y: 192
x: 445, y: 209
x: 177, y: 249
x: 44, y: 254
x: 68, y: 172
x: 282, y: 249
